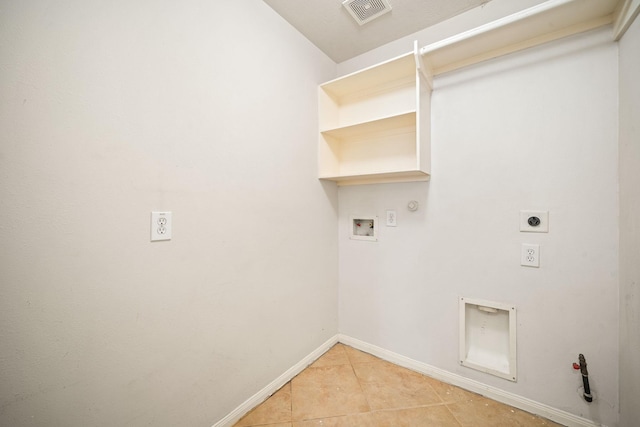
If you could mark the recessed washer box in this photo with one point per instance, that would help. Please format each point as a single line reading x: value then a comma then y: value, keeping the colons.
x: 363, y: 227
x: 488, y: 337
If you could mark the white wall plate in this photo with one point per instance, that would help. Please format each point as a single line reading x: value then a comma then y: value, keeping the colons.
x: 534, y: 221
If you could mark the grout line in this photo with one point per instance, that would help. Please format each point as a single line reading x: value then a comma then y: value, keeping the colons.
x: 290, y: 402
x: 366, y: 398
x: 441, y: 402
x: 453, y: 415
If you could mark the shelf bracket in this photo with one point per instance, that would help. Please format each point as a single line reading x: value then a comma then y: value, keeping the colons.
x: 422, y: 66
x: 625, y: 14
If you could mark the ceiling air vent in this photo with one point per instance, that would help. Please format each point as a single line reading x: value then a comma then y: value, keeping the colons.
x: 364, y: 11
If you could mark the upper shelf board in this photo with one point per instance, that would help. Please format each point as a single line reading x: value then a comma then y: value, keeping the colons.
x: 547, y: 21
x: 399, y: 68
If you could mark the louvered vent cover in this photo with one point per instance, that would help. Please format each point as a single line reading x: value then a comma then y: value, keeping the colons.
x: 364, y: 11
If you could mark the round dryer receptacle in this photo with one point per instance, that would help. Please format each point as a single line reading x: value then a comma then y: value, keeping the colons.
x: 533, y: 221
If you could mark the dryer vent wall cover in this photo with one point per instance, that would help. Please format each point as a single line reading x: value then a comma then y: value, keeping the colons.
x: 364, y: 11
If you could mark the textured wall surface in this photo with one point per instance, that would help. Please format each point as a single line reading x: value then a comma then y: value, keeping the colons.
x: 110, y: 110
x: 533, y: 130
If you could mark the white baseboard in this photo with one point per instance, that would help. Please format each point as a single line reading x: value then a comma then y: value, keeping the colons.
x: 546, y: 411
x: 275, y: 385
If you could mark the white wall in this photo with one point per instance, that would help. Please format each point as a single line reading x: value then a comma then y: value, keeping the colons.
x: 629, y: 226
x: 110, y: 110
x: 533, y: 130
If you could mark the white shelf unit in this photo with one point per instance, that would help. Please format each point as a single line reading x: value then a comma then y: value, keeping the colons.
x: 374, y: 124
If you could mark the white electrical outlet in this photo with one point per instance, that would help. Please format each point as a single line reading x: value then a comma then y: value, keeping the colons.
x: 392, y: 220
x: 160, y: 226
x: 530, y: 256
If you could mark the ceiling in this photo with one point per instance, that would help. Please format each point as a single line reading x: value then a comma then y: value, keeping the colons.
x: 330, y: 27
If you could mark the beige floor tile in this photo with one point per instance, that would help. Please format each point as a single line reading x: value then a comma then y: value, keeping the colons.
x: 489, y: 413
x: 394, y: 396
x: 357, y: 356
x: 432, y: 416
x: 274, y: 425
x: 523, y: 418
x: 335, y: 356
x: 388, y: 386
x: 356, y: 420
x: 349, y: 388
x: 451, y: 394
x: 325, y: 392
x: 276, y: 409
x: 380, y: 371
x: 312, y: 377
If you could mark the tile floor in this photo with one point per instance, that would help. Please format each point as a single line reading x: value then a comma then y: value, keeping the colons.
x: 346, y: 387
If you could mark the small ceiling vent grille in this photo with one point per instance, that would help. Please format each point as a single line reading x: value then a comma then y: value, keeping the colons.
x: 364, y: 11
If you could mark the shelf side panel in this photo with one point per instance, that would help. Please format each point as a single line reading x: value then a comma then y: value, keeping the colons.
x: 423, y: 125
x: 328, y: 156
x: 327, y: 110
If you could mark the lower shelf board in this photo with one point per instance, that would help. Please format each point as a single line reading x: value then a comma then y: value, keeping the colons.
x: 379, y: 178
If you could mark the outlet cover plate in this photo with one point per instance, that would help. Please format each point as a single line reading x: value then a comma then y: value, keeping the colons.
x: 529, y: 223
x: 160, y: 226
x: 530, y: 255
x: 392, y: 219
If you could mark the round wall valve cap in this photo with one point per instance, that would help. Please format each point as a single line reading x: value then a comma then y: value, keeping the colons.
x: 534, y: 221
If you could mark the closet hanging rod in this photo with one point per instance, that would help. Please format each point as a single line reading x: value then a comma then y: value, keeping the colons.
x: 539, y: 24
